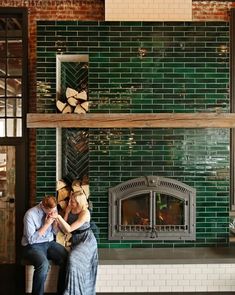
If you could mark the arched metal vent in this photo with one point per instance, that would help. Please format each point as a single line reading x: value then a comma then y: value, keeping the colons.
x: 131, y: 185
x: 152, y: 207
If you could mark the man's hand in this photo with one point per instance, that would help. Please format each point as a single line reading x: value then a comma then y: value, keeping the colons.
x: 51, y: 217
x: 54, y: 214
x: 49, y: 220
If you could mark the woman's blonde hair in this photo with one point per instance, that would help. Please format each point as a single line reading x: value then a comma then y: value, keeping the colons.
x: 81, y: 199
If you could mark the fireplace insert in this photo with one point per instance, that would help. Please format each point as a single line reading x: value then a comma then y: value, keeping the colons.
x: 152, y: 208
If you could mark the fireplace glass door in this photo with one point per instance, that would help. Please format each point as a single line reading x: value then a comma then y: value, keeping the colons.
x: 135, y: 212
x: 152, y: 208
x: 169, y: 210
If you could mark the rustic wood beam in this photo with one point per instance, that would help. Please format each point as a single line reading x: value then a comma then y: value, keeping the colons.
x: 162, y: 120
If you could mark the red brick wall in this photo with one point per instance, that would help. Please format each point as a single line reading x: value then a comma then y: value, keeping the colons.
x: 211, y: 10
x: 49, y: 10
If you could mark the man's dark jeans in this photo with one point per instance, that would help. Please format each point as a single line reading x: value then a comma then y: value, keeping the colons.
x: 39, y: 255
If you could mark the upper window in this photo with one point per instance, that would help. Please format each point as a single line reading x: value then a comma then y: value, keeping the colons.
x: 11, y: 76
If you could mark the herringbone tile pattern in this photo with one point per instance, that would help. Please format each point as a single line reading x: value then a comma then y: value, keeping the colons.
x: 75, y: 154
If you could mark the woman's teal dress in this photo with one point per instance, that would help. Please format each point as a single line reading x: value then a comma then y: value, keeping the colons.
x: 82, y: 262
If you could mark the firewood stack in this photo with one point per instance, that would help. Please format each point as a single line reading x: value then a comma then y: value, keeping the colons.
x: 63, y: 193
x: 76, y: 102
x: 64, y: 190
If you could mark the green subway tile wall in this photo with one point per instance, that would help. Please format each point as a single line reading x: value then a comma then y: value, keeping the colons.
x: 46, y: 162
x: 146, y: 67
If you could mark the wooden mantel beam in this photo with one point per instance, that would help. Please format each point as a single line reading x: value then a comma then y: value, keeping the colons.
x: 160, y: 120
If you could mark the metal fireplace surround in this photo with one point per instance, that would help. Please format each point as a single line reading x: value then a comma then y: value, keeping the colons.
x: 152, y: 208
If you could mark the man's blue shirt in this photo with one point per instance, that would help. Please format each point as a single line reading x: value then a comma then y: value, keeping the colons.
x: 34, y: 219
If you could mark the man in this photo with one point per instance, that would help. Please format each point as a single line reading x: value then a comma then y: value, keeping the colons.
x: 39, y: 246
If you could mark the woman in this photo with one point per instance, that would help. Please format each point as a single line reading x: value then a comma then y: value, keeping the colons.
x: 83, y: 258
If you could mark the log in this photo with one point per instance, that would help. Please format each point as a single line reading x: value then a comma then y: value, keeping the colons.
x: 76, y: 102
x: 75, y: 94
x: 71, y: 92
x: 82, y: 95
x: 67, y: 110
x: 60, y: 105
x: 85, y: 105
x: 63, y: 193
x: 86, y: 190
x: 73, y: 101
x: 76, y: 185
x: 60, y: 184
x: 79, y: 110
